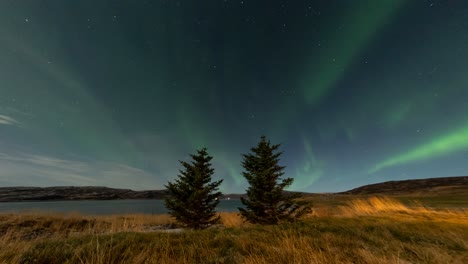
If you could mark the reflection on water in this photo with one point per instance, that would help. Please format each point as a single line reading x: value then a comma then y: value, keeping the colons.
x: 104, y: 207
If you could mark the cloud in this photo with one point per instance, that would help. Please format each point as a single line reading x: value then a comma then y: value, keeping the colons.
x: 6, y: 120
x: 41, y: 170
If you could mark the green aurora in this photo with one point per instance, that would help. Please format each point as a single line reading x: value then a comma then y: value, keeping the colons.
x: 116, y: 92
x: 453, y: 142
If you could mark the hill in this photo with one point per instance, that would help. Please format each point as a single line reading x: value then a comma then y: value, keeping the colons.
x: 420, y: 187
x: 15, y: 194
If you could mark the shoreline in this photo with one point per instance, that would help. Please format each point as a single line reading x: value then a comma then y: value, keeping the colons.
x: 374, y: 230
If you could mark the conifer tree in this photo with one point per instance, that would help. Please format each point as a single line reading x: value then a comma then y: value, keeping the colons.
x: 193, y: 197
x: 267, y: 202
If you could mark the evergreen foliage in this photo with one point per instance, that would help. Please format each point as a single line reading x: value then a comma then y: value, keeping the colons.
x: 267, y: 202
x: 193, y: 197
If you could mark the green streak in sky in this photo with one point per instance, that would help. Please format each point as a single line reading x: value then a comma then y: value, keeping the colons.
x: 235, y: 174
x: 350, y: 133
x: 356, y: 29
x: 452, y: 142
x: 398, y: 114
x: 310, y: 171
x: 191, y: 127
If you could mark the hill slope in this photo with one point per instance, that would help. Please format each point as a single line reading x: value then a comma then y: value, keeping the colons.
x: 429, y: 186
x: 419, y: 187
x: 14, y: 194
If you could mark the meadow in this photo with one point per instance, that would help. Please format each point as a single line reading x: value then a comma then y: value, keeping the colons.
x: 359, y: 230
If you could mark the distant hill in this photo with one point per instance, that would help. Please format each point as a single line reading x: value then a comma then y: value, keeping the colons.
x: 15, y: 194
x: 70, y: 193
x: 429, y: 186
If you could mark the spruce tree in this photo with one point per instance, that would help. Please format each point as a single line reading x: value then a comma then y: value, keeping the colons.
x: 267, y: 202
x: 192, y: 198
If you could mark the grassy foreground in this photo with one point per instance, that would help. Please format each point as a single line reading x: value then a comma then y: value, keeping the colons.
x: 376, y: 230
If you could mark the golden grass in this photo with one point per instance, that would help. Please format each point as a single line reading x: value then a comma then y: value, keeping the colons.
x: 391, y: 208
x: 375, y: 230
x: 232, y: 219
x: 372, y: 206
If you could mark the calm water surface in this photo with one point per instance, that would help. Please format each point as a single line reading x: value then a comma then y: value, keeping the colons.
x: 104, y: 207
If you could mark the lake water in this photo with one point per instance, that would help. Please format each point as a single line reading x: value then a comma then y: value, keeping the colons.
x: 104, y: 207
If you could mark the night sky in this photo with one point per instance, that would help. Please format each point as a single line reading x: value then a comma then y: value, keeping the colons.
x: 114, y: 93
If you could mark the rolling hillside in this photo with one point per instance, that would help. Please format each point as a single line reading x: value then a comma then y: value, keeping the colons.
x: 429, y: 186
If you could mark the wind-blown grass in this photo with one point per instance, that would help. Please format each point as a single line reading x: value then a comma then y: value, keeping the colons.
x: 376, y: 230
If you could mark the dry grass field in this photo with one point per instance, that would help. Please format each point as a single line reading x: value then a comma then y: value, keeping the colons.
x: 370, y: 230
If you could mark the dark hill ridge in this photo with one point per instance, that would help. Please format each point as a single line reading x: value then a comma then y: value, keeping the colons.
x: 429, y: 186
x: 15, y: 194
